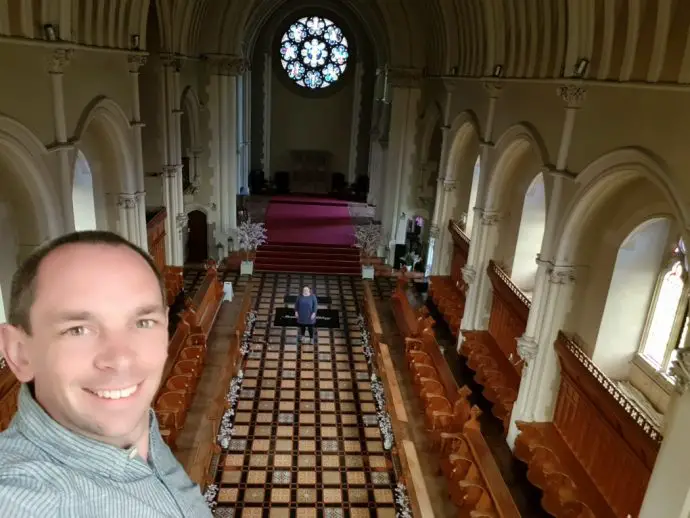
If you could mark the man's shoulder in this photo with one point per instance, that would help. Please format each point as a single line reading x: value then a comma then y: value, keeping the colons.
x: 21, y: 459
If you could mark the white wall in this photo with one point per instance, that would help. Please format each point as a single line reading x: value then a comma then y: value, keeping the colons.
x: 530, y: 236
x: 82, y: 195
x: 634, y: 277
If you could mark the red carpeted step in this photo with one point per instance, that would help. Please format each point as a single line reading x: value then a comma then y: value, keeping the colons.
x: 324, y: 269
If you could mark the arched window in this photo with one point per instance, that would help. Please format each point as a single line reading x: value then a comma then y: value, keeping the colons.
x: 314, y: 52
x: 667, y: 322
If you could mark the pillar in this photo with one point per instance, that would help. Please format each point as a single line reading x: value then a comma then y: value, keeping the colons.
x: 57, y: 63
x: 484, y: 229
x: 354, y: 123
x: 172, y: 169
x: 537, y: 388
x: 405, y: 90
x: 227, y: 70
x: 136, y: 61
x: 668, y: 492
x: 268, y: 77
x: 128, y: 214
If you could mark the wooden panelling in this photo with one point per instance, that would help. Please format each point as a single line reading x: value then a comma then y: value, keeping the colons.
x: 155, y: 229
x: 9, y: 388
x: 603, y: 429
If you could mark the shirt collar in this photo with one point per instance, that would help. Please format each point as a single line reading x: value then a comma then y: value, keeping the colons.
x: 82, y: 453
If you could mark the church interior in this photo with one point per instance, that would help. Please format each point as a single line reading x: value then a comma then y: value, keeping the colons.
x: 487, y: 198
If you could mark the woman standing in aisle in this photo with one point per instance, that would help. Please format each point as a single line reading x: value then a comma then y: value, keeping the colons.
x: 306, y: 307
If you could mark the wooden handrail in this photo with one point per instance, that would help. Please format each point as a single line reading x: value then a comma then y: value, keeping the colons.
x: 458, y: 234
x: 371, y: 312
x: 518, y: 300
x: 568, y: 350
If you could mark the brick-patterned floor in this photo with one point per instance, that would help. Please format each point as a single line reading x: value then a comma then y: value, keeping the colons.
x: 306, y: 441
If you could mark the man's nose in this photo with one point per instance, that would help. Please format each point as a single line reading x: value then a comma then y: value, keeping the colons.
x: 115, y: 352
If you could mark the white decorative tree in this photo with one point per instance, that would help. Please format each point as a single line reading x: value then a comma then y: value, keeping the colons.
x: 251, y: 235
x: 368, y: 239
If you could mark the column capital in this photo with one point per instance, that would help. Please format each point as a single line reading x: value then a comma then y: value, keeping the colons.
x: 491, y: 217
x: 404, y: 77
x: 494, y: 88
x: 552, y: 171
x: 449, y: 185
x: 135, y: 62
x: 227, y: 65
x: 181, y: 221
x: 680, y: 370
x: 561, y: 274
x: 127, y: 200
x: 573, y: 95
x: 469, y: 274
x: 58, y: 60
x: 527, y: 348
x: 171, y: 61
x: 170, y: 171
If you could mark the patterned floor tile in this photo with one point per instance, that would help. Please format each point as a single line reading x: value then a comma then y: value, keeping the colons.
x: 306, y: 441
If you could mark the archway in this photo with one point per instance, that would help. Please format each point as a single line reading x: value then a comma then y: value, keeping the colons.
x: 630, y: 293
x: 197, y: 238
x: 530, y: 236
x: 83, y: 203
x: 103, y: 140
x: 474, y: 190
x: 29, y: 211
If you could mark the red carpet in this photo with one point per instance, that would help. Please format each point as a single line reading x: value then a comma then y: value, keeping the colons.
x: 309, y: 221
x: 308, y: 235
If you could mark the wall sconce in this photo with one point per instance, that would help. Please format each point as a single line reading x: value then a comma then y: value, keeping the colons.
x: 50, y: 32
x: 134, y: 41
x: 498, y: 70
x: 230, y: 245
x: 454, y: 71
x: 581, y: 67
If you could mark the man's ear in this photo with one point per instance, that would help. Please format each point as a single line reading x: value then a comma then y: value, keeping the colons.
x: 13, y: 347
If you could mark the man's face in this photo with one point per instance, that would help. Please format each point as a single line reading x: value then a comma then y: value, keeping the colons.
x: 99, y: 341
x: 306, y: 291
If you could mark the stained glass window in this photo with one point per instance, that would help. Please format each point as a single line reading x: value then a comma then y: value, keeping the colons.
x: 668, y: 322
x: 314, y: 52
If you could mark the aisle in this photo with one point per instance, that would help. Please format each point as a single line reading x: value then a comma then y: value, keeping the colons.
x: 306, y: 440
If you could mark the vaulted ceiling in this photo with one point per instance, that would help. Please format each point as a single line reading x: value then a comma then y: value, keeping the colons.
x: 643, y: 40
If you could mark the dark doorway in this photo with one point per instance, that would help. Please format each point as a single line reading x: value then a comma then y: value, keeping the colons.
x: 197, y: 240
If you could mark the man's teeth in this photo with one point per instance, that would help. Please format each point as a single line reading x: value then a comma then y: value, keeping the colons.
x: 116, y: 394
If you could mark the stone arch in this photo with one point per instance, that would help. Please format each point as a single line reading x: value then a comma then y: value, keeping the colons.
x: 30, y: 210
x: 601, y: 180
x: 191, y: 107
x: 103, y: 136
x: 110, y: 120
x: 518, y: 143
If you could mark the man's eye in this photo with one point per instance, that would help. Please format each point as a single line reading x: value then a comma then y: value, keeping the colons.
x: 75, y: 331
x: 146, y: 323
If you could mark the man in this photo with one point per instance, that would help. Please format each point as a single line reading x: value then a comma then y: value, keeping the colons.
x: 87, y: 338
x: 306, y: 307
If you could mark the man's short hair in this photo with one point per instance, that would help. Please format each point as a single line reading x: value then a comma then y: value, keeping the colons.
x: 23, y: 291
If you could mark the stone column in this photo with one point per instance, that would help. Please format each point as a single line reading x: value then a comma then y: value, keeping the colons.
x: 268, y: 99
x: 474, y: 272
x: 58, y: 61
x: 400, y: 157
x: 354, y: 123
x: 536, y: 395
x: 226, y: 71
x: 172, y: 169
x: 127, y: 212
x: 247, y: 148
x: 136, y: 61
x: 668, y: 492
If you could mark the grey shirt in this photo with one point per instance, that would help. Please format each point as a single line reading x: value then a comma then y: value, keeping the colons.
x: 48, y: 471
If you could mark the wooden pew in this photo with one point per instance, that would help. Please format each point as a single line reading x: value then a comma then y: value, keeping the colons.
x: 201, y: 469
x: 492, y: 354
x: 409, y: 321
x: 601, y: 448
x: 487, y: 474
x: 407, y: 452
x: 9, y: 390
x: 202, y: 310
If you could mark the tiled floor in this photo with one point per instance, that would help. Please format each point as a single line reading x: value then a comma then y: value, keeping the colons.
x: 306, y: 440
